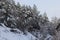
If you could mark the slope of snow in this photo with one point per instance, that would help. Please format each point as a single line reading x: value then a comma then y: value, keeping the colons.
x: 5, y: 34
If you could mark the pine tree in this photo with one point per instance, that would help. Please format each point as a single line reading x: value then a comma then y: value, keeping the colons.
x: 18, y: 5
x: 35, y: 12
x: 45, y: 18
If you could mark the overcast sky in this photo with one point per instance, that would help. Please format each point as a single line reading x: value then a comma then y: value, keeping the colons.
x: 52, y: 7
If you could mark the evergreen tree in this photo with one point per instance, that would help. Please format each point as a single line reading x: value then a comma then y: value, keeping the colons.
x: 45, y: 18
x: 18, y: 5
x: 25, y: 18
x: 54, y: 19
x: 35, y: 12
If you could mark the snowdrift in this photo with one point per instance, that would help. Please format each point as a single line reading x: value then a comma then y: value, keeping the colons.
x: 5, y: 34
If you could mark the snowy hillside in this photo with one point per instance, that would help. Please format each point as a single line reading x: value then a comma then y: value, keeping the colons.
x: 5, y: 34
x: 22, y: 22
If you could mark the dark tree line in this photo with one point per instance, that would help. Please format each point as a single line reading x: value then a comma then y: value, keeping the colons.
x: 25, y: 18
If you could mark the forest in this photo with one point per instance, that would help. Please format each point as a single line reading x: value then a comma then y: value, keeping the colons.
x: 28, y: 19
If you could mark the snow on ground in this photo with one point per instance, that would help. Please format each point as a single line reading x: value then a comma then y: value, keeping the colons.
x: 5, y: 34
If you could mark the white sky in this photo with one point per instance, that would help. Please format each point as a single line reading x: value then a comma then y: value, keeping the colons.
x: 52, y: 7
